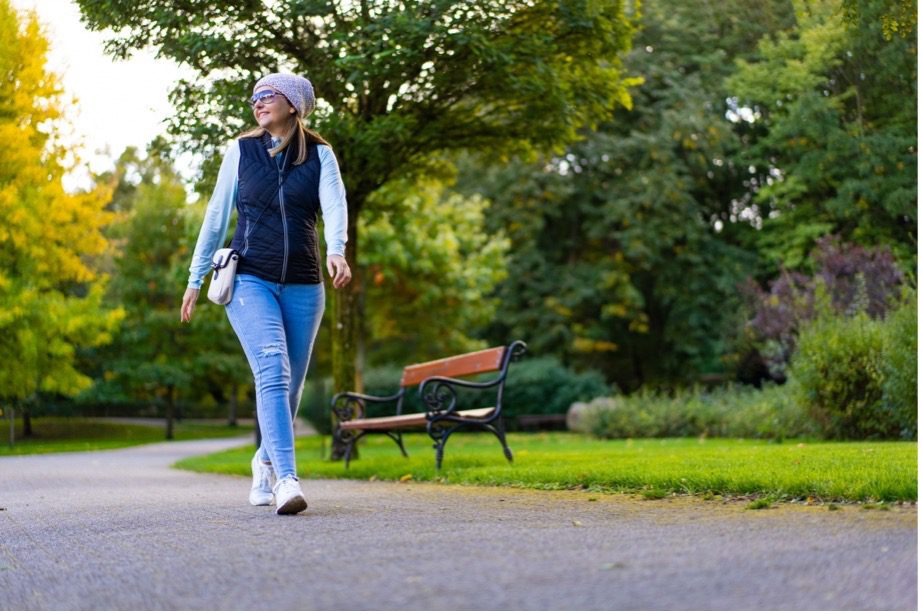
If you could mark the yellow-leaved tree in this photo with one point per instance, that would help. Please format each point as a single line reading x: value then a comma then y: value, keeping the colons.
x: 50, y: 296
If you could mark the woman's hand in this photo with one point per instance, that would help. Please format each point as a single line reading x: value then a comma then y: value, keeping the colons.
x: 338, y: 269
x: 188, y: 304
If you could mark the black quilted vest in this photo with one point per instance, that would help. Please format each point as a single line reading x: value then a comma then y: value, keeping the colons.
x: 277, y: 207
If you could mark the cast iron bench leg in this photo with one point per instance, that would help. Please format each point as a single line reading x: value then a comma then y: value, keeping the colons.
x: 440, y: 437
x: 398, y: 438
x: 440, y: 450
x: 349, y: 451
x: 500, y: 431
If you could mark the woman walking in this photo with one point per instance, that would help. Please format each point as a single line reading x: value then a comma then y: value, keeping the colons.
x: 278, y: 175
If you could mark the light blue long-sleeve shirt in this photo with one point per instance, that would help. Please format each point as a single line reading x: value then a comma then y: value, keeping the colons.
x: 224, y: 199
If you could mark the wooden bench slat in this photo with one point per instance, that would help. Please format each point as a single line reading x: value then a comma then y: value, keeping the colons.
x: 393, y: 422
x: 472, y: 363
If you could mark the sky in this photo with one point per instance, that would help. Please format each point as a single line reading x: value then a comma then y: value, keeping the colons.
x: 120, y: 103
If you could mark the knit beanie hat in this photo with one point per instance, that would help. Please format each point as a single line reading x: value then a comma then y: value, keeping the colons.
x: 298, y: 90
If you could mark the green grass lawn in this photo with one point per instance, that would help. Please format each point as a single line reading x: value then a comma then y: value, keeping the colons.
x: 53, y: 434
x: 855, y: 471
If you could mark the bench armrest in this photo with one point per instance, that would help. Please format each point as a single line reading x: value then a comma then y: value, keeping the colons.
x: 368, y: 397
x: 436, y: 379
x: 349, y: 405
x: 439, y: 395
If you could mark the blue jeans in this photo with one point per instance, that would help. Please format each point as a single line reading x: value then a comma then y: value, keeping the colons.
x: 276, y: 324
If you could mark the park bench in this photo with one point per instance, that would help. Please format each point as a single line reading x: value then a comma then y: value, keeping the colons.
x: 438, y: 390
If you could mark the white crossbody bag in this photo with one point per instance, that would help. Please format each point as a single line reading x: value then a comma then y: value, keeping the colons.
x: 224, y: 263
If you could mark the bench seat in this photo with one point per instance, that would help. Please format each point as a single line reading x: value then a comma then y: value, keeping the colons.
x: 408, y: 420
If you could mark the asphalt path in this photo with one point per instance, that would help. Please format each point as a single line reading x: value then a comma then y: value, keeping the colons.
x: 121, y: 530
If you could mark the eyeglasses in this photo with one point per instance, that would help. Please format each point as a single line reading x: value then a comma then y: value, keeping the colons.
x: 265, y: 97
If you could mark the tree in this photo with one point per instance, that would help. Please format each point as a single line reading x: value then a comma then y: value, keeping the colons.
x: 399, y: 83
x: 431, y: 267
x: 154, y: 357
x: 51, y: 297
x: 627, y: 249
x: 832, y: 133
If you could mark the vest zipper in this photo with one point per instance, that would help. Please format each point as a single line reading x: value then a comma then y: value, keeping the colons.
x: 284, y: 229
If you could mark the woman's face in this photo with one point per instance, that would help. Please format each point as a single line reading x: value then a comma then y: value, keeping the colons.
x: 272, y: 111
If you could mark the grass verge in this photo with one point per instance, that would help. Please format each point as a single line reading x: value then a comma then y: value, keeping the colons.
x: 854, y: 471
x: 53, y: 434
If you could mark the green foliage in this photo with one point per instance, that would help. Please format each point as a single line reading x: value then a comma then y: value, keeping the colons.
x: 832, y: 133
x: 838, y: 365
x: 429, y: 267
x: 51, y: 293
x: 846, y: 367
x: 621, y: 253
x: 398, y: 84
x: 897, y: 17
x: 533, y: 386
x: 397, y: 81
x: 624, y: 255
x: 900, y: 367
x: 154, y: 357
x: 769, y: 413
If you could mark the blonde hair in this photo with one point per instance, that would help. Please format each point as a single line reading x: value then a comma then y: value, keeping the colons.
x: 297, y: 132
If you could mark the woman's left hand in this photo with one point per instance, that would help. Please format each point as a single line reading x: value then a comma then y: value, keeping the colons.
x: 339, y: 271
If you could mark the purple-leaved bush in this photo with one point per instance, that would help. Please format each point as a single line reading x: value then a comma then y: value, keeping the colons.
x: 856, y: 279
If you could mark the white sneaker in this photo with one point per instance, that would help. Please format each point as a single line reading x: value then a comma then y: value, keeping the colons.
x: 263, y: 479
x: 288, y: 496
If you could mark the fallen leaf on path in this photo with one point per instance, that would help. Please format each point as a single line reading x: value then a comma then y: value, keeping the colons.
x: 406, y: 478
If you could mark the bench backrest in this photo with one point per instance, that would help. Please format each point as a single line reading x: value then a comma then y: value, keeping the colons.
x: 473, y: 363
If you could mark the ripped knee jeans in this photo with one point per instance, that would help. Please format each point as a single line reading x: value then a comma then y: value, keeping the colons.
x: 276, y: 324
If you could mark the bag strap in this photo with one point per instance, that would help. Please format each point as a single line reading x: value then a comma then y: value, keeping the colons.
x: 265, y: 208
x: 217, y: 266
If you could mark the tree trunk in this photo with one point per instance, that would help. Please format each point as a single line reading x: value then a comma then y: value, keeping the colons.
x: 170, y: 412
x: 232, y: 407
x: 345, y: 330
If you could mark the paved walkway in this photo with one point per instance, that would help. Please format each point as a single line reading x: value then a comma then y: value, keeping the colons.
x: 120, y: 530
x: 302, y: 427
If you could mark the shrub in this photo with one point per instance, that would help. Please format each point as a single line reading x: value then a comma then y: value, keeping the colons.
x: 854, y: 279
x: 900, y: 393
x: 857, y: 376
x: 838, y: 366
x: 852, y: 377
x: 534, y: 386
x: 733, y: 411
